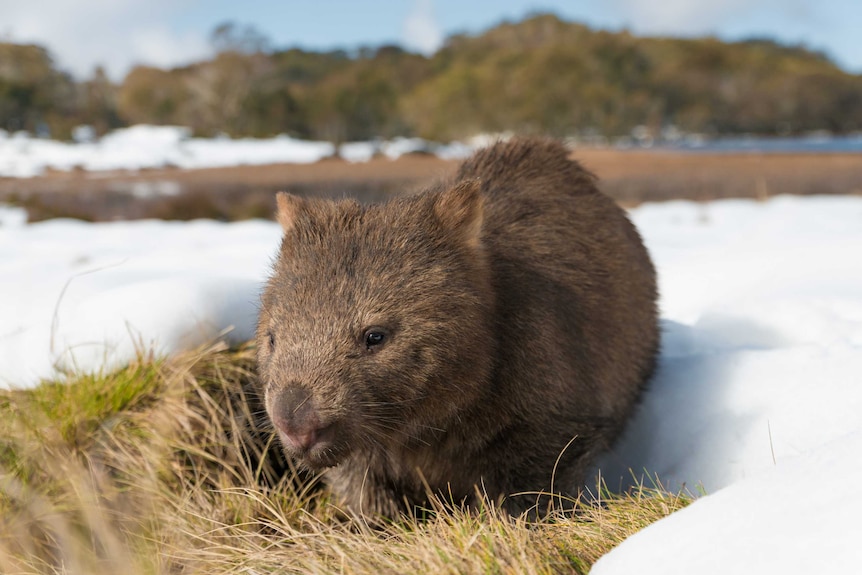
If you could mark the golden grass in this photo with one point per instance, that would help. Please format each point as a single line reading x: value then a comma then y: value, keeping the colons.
x: 166, y: 466
x: 628, y: 176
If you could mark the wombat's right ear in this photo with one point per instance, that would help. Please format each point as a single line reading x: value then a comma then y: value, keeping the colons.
x: 460, y: 209
x: 289, y: 208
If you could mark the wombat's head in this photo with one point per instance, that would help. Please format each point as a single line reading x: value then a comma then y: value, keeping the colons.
x: 374, y: 329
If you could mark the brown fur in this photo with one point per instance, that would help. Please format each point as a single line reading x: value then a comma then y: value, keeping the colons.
x: 518, y: 317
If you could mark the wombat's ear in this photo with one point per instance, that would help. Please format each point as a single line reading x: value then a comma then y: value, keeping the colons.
x: 289, y: 208
x: 460, y: 209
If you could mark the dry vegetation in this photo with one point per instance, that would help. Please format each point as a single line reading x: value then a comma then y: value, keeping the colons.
x: 164, y: 467
x: 630, y: 177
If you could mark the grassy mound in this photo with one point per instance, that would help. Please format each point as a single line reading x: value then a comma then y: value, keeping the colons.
x: 167, y: 466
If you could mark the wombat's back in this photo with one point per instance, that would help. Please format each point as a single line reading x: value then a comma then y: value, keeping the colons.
x: 575, y: 296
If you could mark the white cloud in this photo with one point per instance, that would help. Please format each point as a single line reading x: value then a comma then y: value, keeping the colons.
x: 827, y: 25
x: 420, y: 31
x: 679, y: 17
x: 116, y: 34
x: 158, y: 46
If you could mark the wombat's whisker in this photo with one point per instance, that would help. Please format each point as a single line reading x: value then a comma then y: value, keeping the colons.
x: 301, y: 403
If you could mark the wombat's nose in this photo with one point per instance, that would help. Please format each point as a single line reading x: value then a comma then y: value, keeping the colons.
x: 294, y: 414
x: 303, y: 440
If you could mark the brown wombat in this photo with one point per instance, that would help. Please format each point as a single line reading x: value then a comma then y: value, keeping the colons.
x: 489, y: 336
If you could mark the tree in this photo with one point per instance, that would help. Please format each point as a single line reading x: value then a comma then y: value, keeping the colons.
x: 33, y: 94
x: 231, y: 37
x: 152, y: 96
x: 98, y: 102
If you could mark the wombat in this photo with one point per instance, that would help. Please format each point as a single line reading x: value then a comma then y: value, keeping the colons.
x: 484, y: 338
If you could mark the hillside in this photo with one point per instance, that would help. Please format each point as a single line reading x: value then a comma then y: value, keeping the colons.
x: 539, y: 75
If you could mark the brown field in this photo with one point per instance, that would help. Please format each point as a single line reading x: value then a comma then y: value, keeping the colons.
x: 630, y: 177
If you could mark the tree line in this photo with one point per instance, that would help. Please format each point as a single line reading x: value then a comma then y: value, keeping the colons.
x: 539, y: 75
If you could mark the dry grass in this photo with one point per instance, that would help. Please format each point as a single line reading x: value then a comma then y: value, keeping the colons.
x: 227, y: 194
x: 630, y: 177
x: 633, y: 177
x: 166, y: 467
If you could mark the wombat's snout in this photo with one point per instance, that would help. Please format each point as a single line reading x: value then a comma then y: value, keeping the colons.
x: 294, y: 414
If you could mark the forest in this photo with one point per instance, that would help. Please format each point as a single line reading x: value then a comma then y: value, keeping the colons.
x: 539, y: 75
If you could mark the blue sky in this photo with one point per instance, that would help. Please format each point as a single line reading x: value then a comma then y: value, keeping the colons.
x: 121, y: 33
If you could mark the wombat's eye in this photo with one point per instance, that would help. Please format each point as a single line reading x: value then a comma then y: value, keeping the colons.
x: 374, y: 338
x: 271, y: 340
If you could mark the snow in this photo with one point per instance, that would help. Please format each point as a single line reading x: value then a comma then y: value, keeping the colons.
x: 756, y: 401
x: 758, y: 394
x: 393, y: 149
x: 143, y: 146
x: 83, y: 296
x: 762, y: 316
x: 802, y: 516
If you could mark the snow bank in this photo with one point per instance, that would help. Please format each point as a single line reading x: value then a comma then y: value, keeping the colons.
x: 799, y: 517
x: 757, y: 397
x: 762, y: 312
x: 758, y: 389
x: 83, y: 296
x: 142, y: 146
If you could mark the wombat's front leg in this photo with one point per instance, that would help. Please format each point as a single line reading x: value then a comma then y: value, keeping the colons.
x: 366, y: 496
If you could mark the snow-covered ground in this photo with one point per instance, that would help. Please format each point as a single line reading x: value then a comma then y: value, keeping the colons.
x: 757, y: 399
x: 143, y: 146
x: 81, y: 296
x: 758, y: 396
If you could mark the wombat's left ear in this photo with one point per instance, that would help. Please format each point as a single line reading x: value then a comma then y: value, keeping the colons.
x: 460, y: 209
x: 289, y: 208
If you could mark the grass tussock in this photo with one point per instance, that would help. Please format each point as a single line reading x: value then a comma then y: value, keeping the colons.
x: 167, y: 466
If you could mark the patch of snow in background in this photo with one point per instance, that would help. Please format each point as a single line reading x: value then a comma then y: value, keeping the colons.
x: 398, y: 147
x: 359, y: 151
x: 143, y: 146
x: 455, y: 151
x: 12, y: 216
x: 394, y: 149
